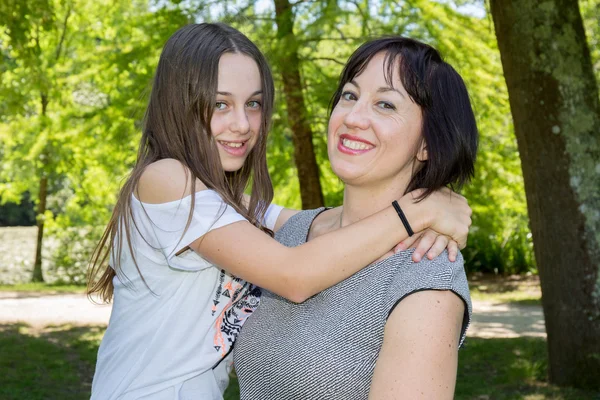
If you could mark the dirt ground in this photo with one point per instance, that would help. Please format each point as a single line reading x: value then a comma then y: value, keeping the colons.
x: 491, y: 319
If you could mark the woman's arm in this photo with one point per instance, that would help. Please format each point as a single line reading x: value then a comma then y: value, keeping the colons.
x: 419, y: 356
x: 300, y: 272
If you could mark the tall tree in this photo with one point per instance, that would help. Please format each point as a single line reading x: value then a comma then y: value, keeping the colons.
x: 554, y: 101
x: 70, y: 96
x: 36, y: 34
x: 302, y: 135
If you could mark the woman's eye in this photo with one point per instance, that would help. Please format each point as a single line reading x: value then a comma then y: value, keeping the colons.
x: 348, y: 96
x: 253, y: 104
x: 220, y: 105
x: 386, y: 105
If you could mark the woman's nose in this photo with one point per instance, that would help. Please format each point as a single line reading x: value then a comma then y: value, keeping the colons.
x: 357, y: 117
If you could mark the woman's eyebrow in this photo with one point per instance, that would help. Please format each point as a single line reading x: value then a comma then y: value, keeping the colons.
x: 389, y: 89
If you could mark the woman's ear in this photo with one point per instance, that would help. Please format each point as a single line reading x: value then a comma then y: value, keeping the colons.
x: 422, y: 153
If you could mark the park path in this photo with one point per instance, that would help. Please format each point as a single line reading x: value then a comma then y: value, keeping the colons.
x: 490, y: 320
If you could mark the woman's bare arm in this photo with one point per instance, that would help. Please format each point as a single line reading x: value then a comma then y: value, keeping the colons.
x: 419, y: 356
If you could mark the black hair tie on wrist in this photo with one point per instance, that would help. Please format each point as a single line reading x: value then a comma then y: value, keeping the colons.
x: 403, y: 218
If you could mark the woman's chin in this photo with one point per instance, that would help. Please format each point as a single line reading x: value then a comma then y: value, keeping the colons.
x: 347, y: 173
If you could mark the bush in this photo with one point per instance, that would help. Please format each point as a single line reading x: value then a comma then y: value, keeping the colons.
x: 68, y: 262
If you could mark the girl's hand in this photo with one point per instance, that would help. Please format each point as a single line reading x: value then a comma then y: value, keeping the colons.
x: 429, y: 242
x: 443, y: 212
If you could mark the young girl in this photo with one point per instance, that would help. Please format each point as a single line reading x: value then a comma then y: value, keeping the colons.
x: 182, y: 242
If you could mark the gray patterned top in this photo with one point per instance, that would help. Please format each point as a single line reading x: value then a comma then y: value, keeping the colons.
x: 326, y: 347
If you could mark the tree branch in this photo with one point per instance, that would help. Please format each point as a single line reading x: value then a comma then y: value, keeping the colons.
x: 335, y: 60
x: 59, y: 47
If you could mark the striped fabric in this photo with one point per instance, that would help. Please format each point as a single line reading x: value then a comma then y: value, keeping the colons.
x: 326, y: 348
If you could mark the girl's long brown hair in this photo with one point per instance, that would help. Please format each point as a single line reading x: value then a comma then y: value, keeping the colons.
x: 177, y: 125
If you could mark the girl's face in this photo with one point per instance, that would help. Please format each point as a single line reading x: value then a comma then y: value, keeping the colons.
x: 375, y: 130
x: 236, y: 120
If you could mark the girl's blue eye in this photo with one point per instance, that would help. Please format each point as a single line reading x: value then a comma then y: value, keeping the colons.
x: 219, y: 105
x: 254, y: 104
x: 348, y: 96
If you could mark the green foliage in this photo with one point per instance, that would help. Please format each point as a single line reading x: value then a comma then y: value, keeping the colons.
x: 590, y: 12
x: 94, y: 63
x: 18, y: 214
x: 68, y: 263
x: 500, y: 240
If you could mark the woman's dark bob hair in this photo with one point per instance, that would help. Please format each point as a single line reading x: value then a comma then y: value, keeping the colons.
x: 449, y: 128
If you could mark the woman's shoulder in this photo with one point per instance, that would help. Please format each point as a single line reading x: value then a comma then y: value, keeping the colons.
x: 165, y: 181
x: 438, y: 274
x: 294, y: 232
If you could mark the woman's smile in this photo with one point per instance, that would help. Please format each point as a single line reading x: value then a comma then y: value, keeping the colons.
x: 354, y: 145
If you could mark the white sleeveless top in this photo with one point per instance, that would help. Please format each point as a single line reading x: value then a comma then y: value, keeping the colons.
x: 183, y: 320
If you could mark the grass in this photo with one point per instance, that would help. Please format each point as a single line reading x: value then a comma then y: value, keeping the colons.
x: 54, y: 363
x: 509, y: 369
x: 57, y: 362
x: 41, y: 287
x: 515, y: 289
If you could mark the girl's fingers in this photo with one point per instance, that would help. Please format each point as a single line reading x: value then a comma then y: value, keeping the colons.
x: 408, y: 242
x: 452, y: 250
x: 440, y: 244
x: 425, y: 243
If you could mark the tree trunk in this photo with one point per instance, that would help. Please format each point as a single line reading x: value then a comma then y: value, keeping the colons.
x: 37, y: 265
x: 554, y: 102
x: 37, y: 275
x: 289, y: 65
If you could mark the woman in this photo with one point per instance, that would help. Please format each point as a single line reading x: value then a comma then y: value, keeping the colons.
x: 401, y: 120
x: 183, y: 246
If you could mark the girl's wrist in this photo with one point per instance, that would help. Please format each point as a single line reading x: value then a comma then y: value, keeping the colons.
x: 415, y: 213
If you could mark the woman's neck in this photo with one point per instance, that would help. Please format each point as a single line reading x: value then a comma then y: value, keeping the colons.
x: 360, y: 201
x: 363, y: 201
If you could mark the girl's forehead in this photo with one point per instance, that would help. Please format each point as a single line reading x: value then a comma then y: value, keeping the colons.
x: 238, y: 72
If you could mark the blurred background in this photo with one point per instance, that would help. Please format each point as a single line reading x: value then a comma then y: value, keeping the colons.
x: 74, y: 81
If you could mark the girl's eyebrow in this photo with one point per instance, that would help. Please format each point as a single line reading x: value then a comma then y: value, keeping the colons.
x: 230, y: 94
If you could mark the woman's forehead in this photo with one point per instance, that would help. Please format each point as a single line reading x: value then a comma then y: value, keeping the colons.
x: 383, y: 67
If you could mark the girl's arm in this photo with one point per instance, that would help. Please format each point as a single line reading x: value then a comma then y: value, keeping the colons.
x: 419, y: 356
x: 300, y: 272
x: 428, y: 242
x: 282, y: 217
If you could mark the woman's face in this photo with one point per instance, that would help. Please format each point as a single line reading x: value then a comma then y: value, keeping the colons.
x: 236, y: 120
x: 375, y: 130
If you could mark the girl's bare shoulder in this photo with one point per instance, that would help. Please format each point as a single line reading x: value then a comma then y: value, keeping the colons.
x: 166, y: 180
